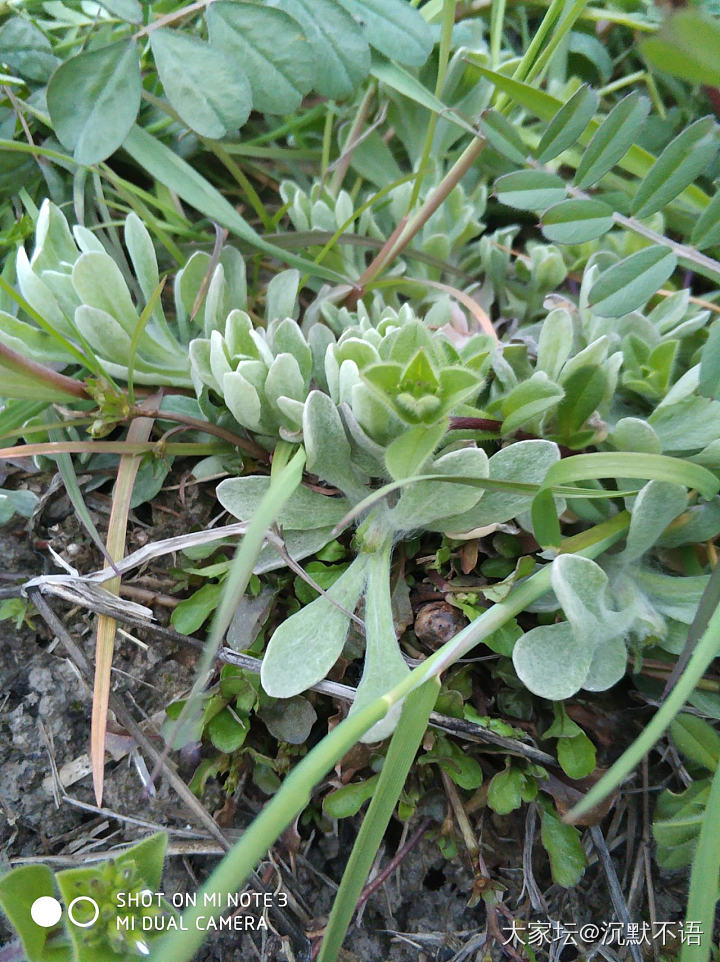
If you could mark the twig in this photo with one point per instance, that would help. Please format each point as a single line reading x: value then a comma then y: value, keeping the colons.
x: 394, y: 862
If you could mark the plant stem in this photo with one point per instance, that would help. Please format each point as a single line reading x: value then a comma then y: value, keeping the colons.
x: 294, y: 795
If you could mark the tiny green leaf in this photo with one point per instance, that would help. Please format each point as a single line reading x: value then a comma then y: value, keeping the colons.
x: 562, y: 843
x: 697, y: 740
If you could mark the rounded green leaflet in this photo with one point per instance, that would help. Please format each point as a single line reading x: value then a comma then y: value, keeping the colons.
x: 577, y: 221
x: 628, y: 284
x: 684, y: 159
x: 552, y: 662
x: 612, y: 140
x: 93, y: 100
x: 272, y: 48
x: 568, y: 124
x: 341, y: 52
x: 206, y: 86
x: 306, y: 645
x: 26, y: 49
x: 530, y: 189
x: 394, y: 28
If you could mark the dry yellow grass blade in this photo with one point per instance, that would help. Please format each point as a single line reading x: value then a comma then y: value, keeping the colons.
x: 138, y: 432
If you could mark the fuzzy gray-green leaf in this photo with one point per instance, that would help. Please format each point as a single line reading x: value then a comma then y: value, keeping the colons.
x: 630, y: 283
x: 612, y: 140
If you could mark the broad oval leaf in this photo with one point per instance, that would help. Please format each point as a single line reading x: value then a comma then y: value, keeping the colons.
x: 657, y: 504
x: 628, y: 284
x: 206, y: 86
x: 706, y: 232
x: 393, y: 28
x: 612, y: 140
x: 129, y: 10
x: 306, y: 645
x: 26, y: 49
x: 530, y: 189
x: 342, y: 55
x: 568, y: 124
x: 551, y: 662
x: 684, y: 158
x: 93, y: 100
x: 577, y: 221
x: 272, y: 48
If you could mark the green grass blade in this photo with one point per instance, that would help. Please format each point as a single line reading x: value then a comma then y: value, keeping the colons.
x: 400, y: 756
x: 285, y: 478
x: 170, y: 169
x: 703, y: 894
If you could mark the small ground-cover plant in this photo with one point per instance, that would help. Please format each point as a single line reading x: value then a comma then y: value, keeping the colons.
x: 470, y: 381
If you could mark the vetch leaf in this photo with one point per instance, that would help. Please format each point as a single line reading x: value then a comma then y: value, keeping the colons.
x: 577, y: 221
x: 503, y: 136
x: 709, y: 385
x: 628, y: 284
x: 568, y: 123
x: 530, y: 189
x: 93, y: 100
x: 706, y: 232
x: 205, y: 85
x: 342, y: 55
x: 393, y: 28
x: 612, y: 139
x: 272, y: 48
x: 684, y: 159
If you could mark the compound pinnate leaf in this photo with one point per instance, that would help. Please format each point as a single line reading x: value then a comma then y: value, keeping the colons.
x: 272, y: 48
x: 206, y: 86
x: 393, y: 28
x: 684, y: 159
x: 342, y: 55
x: 612, y: 140
x: 577, y: 221
x: 628, y: 284
x: 93, y: 100
x: 567, y: 124
x: 530, y: 189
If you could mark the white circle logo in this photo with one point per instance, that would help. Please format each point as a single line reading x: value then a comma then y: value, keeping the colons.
x: 46, y: 911
x: 93, y: 920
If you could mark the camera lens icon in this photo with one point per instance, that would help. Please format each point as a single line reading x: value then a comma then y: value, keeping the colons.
x: 79, y: 916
